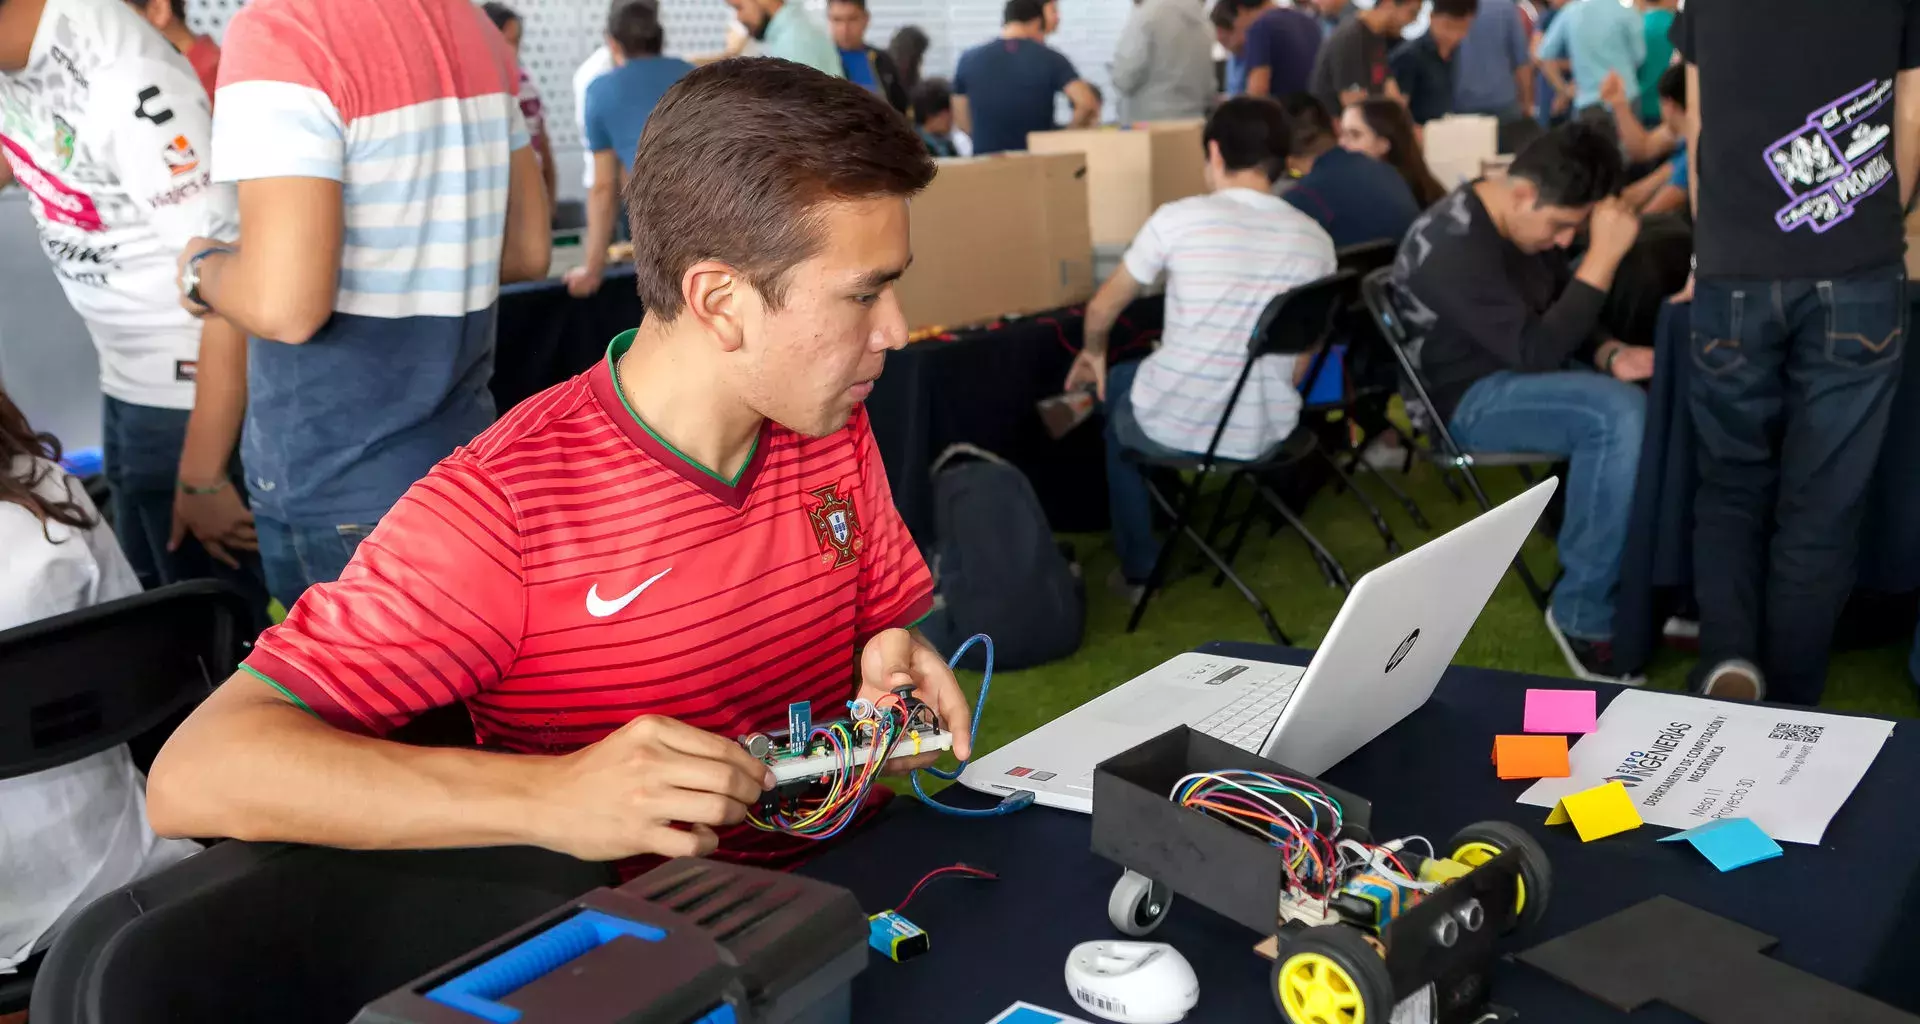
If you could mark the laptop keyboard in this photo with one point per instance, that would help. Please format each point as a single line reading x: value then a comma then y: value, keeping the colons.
x: 1246, y: 722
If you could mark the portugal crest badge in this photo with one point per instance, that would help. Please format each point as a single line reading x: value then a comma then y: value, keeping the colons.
x: 836, y: 526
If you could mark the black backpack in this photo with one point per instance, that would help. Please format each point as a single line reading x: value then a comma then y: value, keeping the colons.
x: 997, y: 569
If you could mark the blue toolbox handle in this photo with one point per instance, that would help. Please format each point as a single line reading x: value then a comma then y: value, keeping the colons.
x: 477, y: 990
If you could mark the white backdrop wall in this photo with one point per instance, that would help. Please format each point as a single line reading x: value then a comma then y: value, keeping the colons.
x: 559, y: 34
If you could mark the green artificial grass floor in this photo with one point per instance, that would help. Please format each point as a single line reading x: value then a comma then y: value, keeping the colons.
x: 1510, y: 633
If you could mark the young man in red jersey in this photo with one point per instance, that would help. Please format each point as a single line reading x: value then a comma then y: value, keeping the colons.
x: 635, y: 567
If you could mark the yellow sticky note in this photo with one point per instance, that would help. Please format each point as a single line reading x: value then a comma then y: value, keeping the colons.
x: 1598, y: 812
x: 1531, y: 757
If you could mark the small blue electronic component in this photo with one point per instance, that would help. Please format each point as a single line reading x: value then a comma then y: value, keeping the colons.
x: 799, y: 725
x: 895, y: 936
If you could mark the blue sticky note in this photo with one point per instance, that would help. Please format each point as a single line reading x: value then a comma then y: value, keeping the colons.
x: 1730, y: 842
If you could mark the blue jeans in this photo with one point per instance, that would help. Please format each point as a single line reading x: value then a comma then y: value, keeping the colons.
x: 1128, y: 502
x: 1596, y: 422
x: 1791, y: 386
x: 297, y: 557
x: 141, y: 445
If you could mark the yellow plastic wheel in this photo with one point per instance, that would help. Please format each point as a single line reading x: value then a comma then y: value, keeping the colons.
x: 1330, y: 975
x: 1482, y: 841
x: 1475, y: 854
x: 1315, y: 990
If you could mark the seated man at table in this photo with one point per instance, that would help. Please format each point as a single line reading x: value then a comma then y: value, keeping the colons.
x: 1225, y: 255
x: 1356, y: 198
x: 1512, y: 339
x: 639, y: 565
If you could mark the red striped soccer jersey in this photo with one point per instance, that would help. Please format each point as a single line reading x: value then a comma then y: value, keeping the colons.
x: 569, y: 571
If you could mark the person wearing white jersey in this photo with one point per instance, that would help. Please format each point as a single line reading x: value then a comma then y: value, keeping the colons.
x: 106, y: 126
x: 1225, y: 256
x: 73, y: 833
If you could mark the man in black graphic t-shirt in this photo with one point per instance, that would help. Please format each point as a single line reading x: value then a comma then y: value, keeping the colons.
x: 1801, y: 169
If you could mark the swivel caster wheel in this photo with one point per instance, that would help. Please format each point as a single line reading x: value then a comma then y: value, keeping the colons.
x: 1138, y: 904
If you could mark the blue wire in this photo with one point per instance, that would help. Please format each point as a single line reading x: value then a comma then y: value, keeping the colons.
x: 1007, y: 805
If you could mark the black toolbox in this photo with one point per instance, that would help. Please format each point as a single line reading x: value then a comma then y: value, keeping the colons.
x: 691, y: 942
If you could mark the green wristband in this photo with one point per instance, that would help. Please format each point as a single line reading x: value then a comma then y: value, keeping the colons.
x: 187, y: 488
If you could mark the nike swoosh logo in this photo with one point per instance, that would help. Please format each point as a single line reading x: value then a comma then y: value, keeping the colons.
x: 600, y: 608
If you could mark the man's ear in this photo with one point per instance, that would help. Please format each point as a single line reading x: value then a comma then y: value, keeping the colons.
x: 719, y: 298
x: 1525, y: 193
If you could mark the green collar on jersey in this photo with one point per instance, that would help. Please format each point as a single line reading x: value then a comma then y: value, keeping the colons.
x: 624, y: 341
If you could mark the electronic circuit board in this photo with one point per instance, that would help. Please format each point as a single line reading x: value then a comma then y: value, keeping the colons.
x: 820, y: 756
x: 791, y: 765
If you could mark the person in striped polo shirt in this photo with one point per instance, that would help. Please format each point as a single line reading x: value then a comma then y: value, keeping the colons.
x: 387, y: 187
x: 639, y: 565
x: 1225, y: 255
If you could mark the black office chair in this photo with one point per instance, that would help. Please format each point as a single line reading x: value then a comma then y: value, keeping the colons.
x: 1442, y: 449
x: 291, y: 934
x: 1293, y: 323
x: 1367, y: 257
x: 126, y: 671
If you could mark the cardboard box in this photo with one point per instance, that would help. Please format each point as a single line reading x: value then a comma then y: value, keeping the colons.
x: 1132, y: 171
x: 998, y: 235
x: 1458, y: 146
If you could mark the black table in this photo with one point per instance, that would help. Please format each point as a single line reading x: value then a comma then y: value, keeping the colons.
x: 1846, y: 910
x: 547, y: 335
x: 983, y: 387
x: 978, y: 386
x: 1659, y: 551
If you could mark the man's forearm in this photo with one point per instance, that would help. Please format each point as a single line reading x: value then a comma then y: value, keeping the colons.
x: 268, y: 771
x: 219, y: 404
x: 1103, y: 311
x: 1693, y: 141
x: 1906, y: 139
x: 259, y: 302
x: 602, y: 208
x: 1523, y: 84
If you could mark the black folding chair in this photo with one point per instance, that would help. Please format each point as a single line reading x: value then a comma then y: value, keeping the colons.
x: 291, y: 934
x: 1446, y: 453
x: 126, y: 671
x: 1293, y: 323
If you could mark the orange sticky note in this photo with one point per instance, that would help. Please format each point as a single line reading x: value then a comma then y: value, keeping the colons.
x: 1598, y: 812
x: 1531, y: 757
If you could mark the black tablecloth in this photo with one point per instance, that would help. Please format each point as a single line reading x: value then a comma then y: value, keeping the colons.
x: 983, y: 387
x: 1846, y: 910
x: 547, y: 335
x: 979, y: 386
x: 1659, y: 551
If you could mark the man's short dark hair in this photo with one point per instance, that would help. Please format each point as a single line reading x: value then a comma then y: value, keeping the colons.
x: 862, y: 4
x: 735, y: 158
x: 1312, y: 125
x: 1573, y: 165
x: 1225, y: 11
x: 1019, y: 12
x: 500, y: 14
x: 179, y: 8
x: 1672, y: 86
x: 931, y: 98
x: 635, y: 27
x: 1455, y: 8
x: 1253, y: 132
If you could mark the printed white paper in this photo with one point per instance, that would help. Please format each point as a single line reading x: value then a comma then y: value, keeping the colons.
x: 1687, y: 761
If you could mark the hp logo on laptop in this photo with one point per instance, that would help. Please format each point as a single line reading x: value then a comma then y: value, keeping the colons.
x: 1400, y: 653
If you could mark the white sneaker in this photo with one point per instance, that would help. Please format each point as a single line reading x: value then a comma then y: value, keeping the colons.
x: 1735, y: 679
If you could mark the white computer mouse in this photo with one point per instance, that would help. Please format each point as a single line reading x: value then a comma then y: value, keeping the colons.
x: 1132, y: 982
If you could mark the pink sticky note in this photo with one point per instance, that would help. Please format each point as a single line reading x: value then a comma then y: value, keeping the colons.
x: 1560, y: 711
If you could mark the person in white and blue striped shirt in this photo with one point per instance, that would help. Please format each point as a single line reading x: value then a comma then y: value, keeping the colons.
x: 1224, y: 255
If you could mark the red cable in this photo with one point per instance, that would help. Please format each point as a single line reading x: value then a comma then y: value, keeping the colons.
x: 956, y: 869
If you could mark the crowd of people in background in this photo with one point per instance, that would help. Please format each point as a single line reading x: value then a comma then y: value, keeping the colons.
x: 288, y: 248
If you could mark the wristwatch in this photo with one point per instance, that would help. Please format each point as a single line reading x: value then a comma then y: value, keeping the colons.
x: 190, y: 277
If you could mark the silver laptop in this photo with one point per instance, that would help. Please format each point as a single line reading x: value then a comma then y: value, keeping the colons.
x: 1394, y: 636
